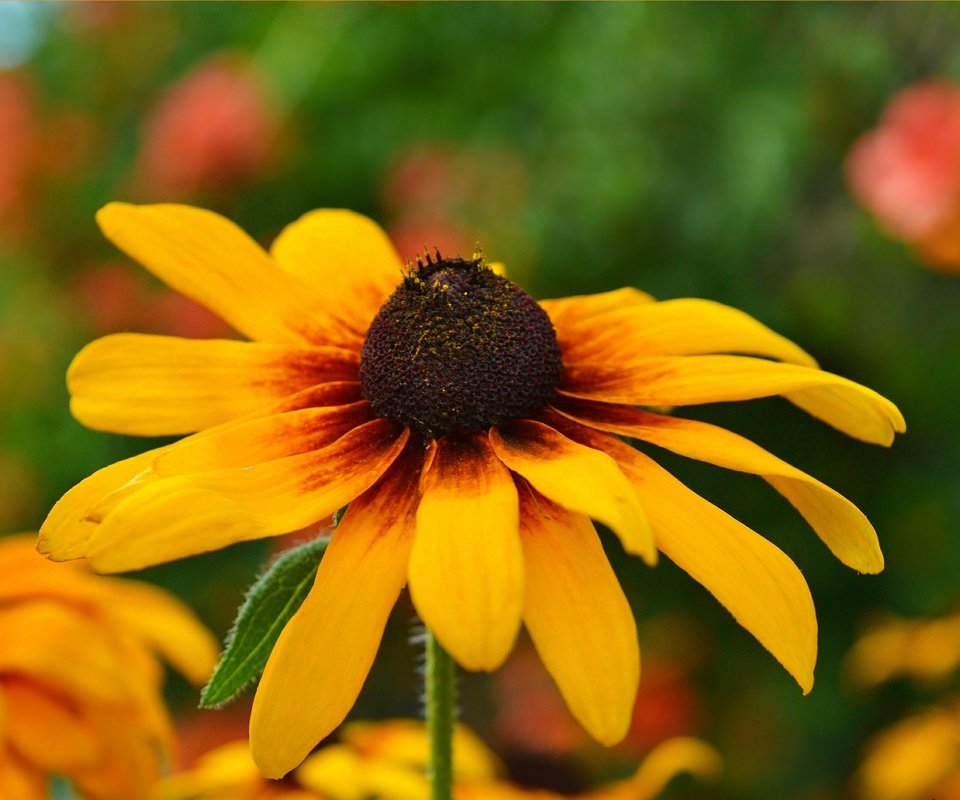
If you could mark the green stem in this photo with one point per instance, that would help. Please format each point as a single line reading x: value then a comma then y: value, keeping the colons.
x: 441, y: 693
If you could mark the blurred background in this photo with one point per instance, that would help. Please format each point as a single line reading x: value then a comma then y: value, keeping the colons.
x: 697, y: 150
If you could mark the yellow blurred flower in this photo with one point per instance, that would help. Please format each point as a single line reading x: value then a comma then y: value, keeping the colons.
x: 916, y: 759
x: 80, y: 676
x: 371, y: 760
x: 667, y: 760
x: 920, y: 649
x: 474, y: 433
x: 388, y: 761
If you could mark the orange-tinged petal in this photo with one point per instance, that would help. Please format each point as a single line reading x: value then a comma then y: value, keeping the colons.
x: 466, y: 566
x: 578, y: 617
x: 58, y: 646
x: 211, y: 260
x: 568, y: 312
x: 19, y: 781
x: 576, y: 477
x: 751, y: 577
x: 161, y: 385
x: 674, y: 328
x: 45, y: 732
x: 688, y: 380
x: 838, y: 522
x: 131, y: 764
x: 171, y: 518
x: 320, y: 661
x: 346, y: 254
x: 262, y: 439
x: 668, y: 759
x: 66, y: 531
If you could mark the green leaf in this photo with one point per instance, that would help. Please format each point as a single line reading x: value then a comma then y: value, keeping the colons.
x: 269, y: 604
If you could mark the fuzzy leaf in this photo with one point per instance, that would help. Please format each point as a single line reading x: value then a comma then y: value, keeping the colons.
x: 269, y: 604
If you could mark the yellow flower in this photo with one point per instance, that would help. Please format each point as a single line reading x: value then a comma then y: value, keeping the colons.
x: 388, y: 761
x: 385, y: 760
x: 667, y: 760
x: 917, y: 758
x: 474, y: 433
x: 921, y: 649
x: 80, y: 678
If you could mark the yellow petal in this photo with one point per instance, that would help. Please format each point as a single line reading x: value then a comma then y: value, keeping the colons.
x: 224, y: 772
x: 751, y: 578
x: 348, y: 256
x: 48, y: 733
x: 337, y: 772
x: 839, y: 523
x: 322, y: 658
x: 404, y: 741
x: 184, y: 515
x: 209, y: 259
x: 688, y: 380
x: 674, y: 328
x: 466, y: 566
x: 578, y: 617
x: 911, y: 759
x: 66, y: 531
x: 667, y: 760
x: 568, y: 312
x: 162, y: 385
x: 576, y: 477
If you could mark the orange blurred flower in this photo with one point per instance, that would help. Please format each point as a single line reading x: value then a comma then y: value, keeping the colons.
x: 907, y: 171
x: 80, y: 677
x: 212, y: 130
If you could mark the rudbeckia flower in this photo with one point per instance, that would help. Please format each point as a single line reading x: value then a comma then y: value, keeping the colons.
x: 80, y: 676
x: 474, y: 434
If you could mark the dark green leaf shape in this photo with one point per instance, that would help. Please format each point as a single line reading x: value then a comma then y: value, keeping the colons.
x: 268, y: 606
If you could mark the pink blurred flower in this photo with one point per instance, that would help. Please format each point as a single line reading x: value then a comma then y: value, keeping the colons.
x: 113, y: 299
x: 907, y: 171
x: 212, y: 130
x: 416, y: 232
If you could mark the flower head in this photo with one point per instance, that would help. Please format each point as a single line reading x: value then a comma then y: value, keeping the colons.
x: 474, y: 434
x: 80, y: 676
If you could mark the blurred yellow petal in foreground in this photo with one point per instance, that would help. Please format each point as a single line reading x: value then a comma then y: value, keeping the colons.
x: 388, y: 761
x: 919, y: 649
x: 80, y: 676
x: 916, y: 759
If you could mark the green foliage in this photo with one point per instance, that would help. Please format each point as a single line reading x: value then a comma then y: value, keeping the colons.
x: 269, y: 604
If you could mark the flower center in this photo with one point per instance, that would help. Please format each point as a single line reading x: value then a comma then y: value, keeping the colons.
x: 457, y: 347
